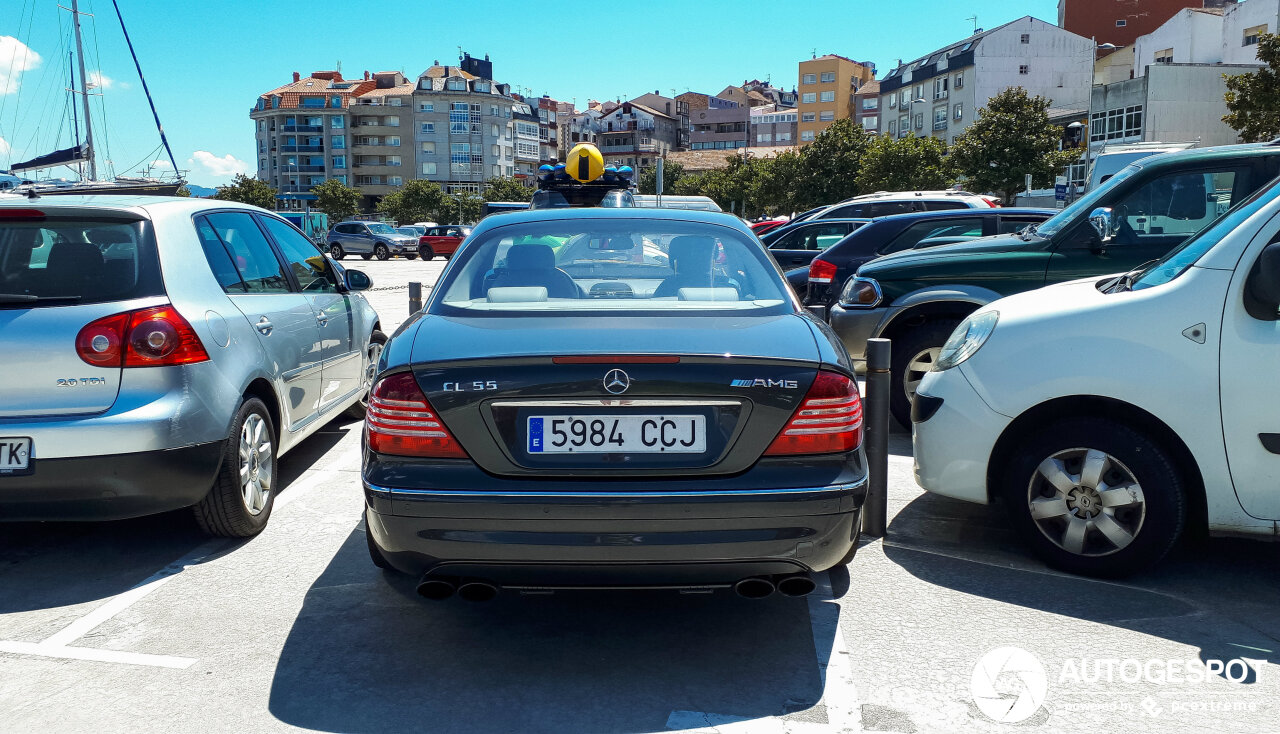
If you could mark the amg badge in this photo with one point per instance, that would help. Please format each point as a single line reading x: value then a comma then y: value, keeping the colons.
x: 761, y: 382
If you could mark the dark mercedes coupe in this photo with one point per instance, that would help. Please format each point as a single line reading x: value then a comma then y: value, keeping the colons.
x: 613, y: 398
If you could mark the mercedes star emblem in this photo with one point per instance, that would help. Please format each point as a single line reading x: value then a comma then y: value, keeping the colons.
x: 616, y: 381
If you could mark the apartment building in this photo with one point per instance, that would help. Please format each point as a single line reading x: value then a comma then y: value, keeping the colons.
x: 866, y: 106
x: 826, y: 88
x: 939, y: 94
x: 381, y: 156
x: 302, y: 133
x: 548, y: 130
x: 1120, y: 22
x: 528, y: 145
x: 464, y: 127
x: 1223, y: 35
x: 672, y: 108
x: 771, y: 127
x: 632, y: 134
x: 716, y: 123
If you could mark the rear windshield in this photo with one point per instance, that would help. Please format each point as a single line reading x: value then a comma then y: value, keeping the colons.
x: 64, y: 261
x: 610, y: 266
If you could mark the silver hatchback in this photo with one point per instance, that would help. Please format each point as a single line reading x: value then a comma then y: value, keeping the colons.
x: 160, y: 353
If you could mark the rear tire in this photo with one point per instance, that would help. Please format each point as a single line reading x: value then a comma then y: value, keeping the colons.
x: 381, y: 251
x: 914, y: 353
x: 426, y: 252
x: 336, y: 251
x: 1118, y: 505
x: 377, y: 340
x: 244, y: 491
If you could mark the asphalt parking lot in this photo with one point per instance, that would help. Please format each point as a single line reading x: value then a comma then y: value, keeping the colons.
x: 144, y: 625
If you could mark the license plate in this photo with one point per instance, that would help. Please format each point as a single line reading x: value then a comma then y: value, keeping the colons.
x: 608, y: 434
x: 15, y: 455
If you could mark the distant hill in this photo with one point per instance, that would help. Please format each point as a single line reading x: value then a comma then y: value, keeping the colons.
x: 201, y: 191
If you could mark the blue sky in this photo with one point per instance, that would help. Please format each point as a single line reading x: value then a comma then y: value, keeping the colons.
x: 206, y: 62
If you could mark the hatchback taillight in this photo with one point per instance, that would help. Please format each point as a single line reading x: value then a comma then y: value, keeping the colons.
x: 821, y: 271
x: 401, y: 422
x: 150, y: 337
x: 828, y: 421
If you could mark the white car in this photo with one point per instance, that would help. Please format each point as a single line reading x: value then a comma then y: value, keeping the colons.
x: 1112, y: 415
x: 885, y: 203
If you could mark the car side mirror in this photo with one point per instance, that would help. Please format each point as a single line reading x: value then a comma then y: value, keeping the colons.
x: 357, y: 281
x: 1103, y: 224
x: 1262, y: 288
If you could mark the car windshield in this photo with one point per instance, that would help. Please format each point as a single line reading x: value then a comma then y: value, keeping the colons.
x: 1086, y: 203
x: 411, y: 231
x: 1177, y: 261
x: 609, y: 266
x: 379, y: 228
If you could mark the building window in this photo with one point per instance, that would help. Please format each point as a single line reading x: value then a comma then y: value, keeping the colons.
x: 827, y: 97
x: 959, y: 81
x: 429, y: 168
x: 919, y: 120
x: 1164, y: 57
x: 1024, y: 69
x: 395, y: 180
x: 809, y: 79
x: 871, y: 103
x: 1121, y: 23
x: 428, y: 128
x: 497, y: 151
x: 339, y: 161
x: 1133, y: 121
x: 312, y: 102
x: 426, y: 107
x: 808, y: 98
x: 393, y: 140
x: 784, y: 137
x: 428, y: 147
x: 336, y: 122
x: 456, y: 85
x: 893, y: 101
x: 940, y: 118
x: 806, y: 135
x: 807, y: 117
x: 893, y: 127
x: 871, y: 122
x: 391, y: 121
x: 940, y: 88
x: 1026, y: 38
x: 1251, y: 35
x: 337, y: 142
x: 393, y: 160
x: 959, y: 111
x: 764, y: 138
x: 828, y: 76
x: 827, y: 115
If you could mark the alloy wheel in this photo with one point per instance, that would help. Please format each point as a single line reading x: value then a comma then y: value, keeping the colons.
x: 256, y: 466
x: 370, y: 371
x: 1086, y: 502
x: 919, y: 365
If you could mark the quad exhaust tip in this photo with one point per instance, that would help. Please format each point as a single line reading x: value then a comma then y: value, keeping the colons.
x: 800, y: 584
x: 476, y: 590
x: 756, y: 587
x: 437, y: 588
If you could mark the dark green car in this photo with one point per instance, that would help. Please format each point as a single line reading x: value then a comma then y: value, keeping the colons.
x: 916, y: 298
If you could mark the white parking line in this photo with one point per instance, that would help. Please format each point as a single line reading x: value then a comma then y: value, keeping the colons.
x: 839, y: 693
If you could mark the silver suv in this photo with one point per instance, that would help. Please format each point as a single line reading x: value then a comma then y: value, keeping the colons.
x: 370, y: 239
x: 160, y: 353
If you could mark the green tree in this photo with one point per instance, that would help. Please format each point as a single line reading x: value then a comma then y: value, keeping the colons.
x: 506, y: 189
x: 459, y: 208
x: 417, y: 200
x: 1011, y: 138
x: 1254, y: 99
x: 248, y: 191
x: 905, y: 164
x: 183, y: 191
x: 828, y: 170
x: 336, y: 199
x: 672, y: 172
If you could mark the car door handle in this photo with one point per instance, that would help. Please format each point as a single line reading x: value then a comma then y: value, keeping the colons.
x: 264, y: 326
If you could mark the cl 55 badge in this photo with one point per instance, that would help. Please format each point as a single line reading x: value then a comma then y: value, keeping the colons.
x: 761, y: 382
x: 83, y: 382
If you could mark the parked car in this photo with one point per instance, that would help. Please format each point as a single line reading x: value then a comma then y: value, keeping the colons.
x: 370, y: 239
x: 764, y: 226
x: 411, y: 230
x: 802, y: 243
x: 885, y: 203
x: 901, y: 232
x: 695, y: 203
x: 916, y: 298
x: 161, y: 353
x: 442, y: 239
x: 1113, y: 415
x: 555, y: 420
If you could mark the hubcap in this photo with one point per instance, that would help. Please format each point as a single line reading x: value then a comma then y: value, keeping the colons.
x: 917, y: 368
x: 256, y: 468
x: 1086, y: 501
x: 370, y: 369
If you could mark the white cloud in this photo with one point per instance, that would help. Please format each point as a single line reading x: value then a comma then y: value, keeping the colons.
x: 222, y: 167
x: 15, y: 58
x: 4, y: 147
x: 98, y: 80
x: 161, y: 164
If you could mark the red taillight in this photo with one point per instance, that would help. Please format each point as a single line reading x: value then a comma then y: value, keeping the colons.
x: 34, y: 215
x: 617, y: 359
x: 821, y: 271
x: 400, y: 421
x: 828, y: 421
x: 151, y: 337
x: 992, y: 202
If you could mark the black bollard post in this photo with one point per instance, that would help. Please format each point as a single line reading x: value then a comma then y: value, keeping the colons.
x: 875, y: 512
x: 415, y: 297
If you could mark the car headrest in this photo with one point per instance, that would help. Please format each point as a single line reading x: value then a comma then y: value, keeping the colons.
x: 692, y: 251
x: 80, y: 258
x: 531, y: 257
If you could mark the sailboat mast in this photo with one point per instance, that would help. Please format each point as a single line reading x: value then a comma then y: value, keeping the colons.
x: 84, y: 92
x: 75, y: 117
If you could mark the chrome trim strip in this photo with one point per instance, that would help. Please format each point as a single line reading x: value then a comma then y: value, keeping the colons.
x: 446, y: 493
x: 613, y: 403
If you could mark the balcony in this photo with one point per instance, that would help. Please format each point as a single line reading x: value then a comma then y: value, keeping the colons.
x: 296, y: 188
x: 303, y: 169
x: 301, y: 149
x: 941, y: 125
x: 302, y: 128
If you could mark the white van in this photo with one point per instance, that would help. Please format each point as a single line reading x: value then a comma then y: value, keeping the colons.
x: 1113, y: 158
x: 696, y: 203
x: 1112, y: 414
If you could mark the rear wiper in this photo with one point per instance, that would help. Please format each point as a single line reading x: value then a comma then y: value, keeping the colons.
x: 27, y: 298
x: 1125, y: 282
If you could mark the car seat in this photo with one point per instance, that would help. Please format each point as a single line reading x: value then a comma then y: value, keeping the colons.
x: 534, y: 265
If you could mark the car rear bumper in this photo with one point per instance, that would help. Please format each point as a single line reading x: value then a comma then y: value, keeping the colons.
x: 111, y: 487
x: 607, y: 539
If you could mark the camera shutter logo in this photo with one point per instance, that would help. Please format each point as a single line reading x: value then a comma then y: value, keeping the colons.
x: 1009, y: 685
